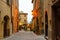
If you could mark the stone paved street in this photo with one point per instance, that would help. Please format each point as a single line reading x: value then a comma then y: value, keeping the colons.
x: 40, y: 37
x: 25, y: 35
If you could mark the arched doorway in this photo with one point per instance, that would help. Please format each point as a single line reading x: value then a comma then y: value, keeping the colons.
x: 6, y: 30
x: 46, y: 24
x: 56, y: 21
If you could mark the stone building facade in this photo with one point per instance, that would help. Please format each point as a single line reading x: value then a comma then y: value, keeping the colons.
x: 51, y: 16
x: 23, y: 19
x: 15, y: 15
x: 5, y: 18
x: 38, y: 14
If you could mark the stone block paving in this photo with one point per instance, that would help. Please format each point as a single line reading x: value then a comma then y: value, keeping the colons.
x: 40, y: 37
x: 25, y: 35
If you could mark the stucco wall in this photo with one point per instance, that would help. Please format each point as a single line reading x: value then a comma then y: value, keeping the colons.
x: 5, y: 10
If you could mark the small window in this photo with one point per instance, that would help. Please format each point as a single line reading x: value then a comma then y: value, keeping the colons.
x: 53, y: 0
x: 8, y: 2
x: 25, y: 20
x: 24, y: 15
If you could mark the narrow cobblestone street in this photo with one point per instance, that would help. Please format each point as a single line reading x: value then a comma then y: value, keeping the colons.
x: 25, y: 35
x: 29, y: 19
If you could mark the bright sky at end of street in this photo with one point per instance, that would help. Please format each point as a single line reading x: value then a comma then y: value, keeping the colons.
x: 27, y: 7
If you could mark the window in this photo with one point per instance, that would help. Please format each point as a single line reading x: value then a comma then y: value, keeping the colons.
x: 8, y: 2
x: 53, y: 0
x: 24, y: 15
x: 25, y: 20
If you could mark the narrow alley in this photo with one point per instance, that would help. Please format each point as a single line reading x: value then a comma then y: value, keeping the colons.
x: 29, y: 19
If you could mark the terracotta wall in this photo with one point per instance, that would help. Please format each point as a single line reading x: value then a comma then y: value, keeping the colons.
x: 15, y: 16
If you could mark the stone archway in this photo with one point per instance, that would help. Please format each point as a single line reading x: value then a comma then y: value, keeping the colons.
x: 6, y: 30
x: 46, y: 24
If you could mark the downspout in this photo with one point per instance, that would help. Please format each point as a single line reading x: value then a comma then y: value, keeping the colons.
x: 11, y: 17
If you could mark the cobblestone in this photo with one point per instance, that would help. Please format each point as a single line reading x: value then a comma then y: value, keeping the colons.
x: 25, y: 35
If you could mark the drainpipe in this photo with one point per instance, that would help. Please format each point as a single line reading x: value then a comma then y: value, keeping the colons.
x: 11, y: 16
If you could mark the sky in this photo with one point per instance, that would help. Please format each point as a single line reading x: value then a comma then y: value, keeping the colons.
x: 26, y: 6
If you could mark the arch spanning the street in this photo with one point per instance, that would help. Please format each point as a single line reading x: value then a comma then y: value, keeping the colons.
x: 6, y: 30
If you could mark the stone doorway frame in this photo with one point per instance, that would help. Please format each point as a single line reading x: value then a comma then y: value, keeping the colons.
x: 54, y: 8
x: 6, y: 30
